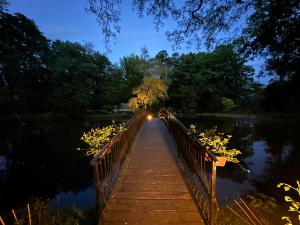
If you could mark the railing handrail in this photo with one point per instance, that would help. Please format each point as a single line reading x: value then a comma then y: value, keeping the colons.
x: 109, y: 160
x: 209, y: 152
x: 201, y: 161
x: 105, y: 149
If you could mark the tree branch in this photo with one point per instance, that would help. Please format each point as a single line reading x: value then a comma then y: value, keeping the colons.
x: 194, y: 16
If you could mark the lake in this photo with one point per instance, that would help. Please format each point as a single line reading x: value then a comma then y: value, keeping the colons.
x: 41, y: 160
x: 270, y: 150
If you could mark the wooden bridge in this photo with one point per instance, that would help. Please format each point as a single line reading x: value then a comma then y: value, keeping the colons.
x: 155, y: 173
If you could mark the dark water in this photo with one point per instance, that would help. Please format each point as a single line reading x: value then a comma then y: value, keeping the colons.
x: 40, y: 160
x: 270, y: 149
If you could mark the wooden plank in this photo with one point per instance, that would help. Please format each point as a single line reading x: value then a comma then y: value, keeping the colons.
x: 151, y: 188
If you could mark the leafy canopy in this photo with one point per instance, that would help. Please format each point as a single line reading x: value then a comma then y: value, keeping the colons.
x: 151, y: 91
x: 204, y: 78
x: 24, y: 53
x: 79, y: 74
x: 267, y: 27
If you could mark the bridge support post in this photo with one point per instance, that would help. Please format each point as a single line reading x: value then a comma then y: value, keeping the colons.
x: 213, y: 198
x: 99, y: 198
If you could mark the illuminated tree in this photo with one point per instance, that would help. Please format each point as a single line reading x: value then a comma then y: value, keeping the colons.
x: 150, y: 92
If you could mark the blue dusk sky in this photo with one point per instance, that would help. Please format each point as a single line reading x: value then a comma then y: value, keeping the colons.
x: 68, y: 20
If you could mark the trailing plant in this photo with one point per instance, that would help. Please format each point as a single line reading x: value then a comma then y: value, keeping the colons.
x: 217, y: 142
x: 294, y: 206
x: 97, y: 137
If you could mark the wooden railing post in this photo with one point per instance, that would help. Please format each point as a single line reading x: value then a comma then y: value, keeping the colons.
x: 99, y: 198
x: 213, y: 198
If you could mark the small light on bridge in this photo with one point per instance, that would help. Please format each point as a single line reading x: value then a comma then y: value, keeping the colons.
x: 149, y: 117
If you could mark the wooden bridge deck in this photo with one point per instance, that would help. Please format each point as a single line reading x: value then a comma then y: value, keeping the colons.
x: 151, y: 188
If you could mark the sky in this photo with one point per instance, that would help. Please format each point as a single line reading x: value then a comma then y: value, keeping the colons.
x: 68, y: 20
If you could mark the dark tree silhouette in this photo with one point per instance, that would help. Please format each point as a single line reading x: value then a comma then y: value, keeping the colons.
x: 269, y: 27
x: 3, y: 5
x: 23, y: 59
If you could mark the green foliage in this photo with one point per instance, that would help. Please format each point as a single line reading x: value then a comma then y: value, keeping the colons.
x: 150, y: 92
x: 272, y: 32
x: 134, y: 69
x: 24, y: 50
x: 79, y: 76
x: 161, y: 65
x: 115, y: 90
x: 271, y: 29
x: 97, y: 137
x: 227, y: 104
x: 217, y: 142
x: 199, y: 80
x: 294, y: 205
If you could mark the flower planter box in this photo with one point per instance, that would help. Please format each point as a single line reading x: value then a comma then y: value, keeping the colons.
x: 221, y: 160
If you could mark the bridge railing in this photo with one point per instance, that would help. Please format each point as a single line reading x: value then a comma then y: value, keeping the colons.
x: 202, y: 163
x: 107, y: 163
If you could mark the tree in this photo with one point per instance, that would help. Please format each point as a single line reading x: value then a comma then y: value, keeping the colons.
x: 150, y: 92
x: 116, y: 89
x: 3, y: 5
x: 134, y: 69
x: 199, y: 80
x: 227, y: 104
x: 273, y: 32
x: 271, y: 29
x: 79, y: 77
x: 196, y: 19
x: 282, y: 96
x: 23, y: 61
x: 162, y: 65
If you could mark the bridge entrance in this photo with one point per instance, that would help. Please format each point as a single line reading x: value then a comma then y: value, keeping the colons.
x: 153, y: 185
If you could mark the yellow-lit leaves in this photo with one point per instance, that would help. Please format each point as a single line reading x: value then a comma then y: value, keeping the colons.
x: 151, y: 91
x: 217, y: 142
x: 287, y: 220
x: 97, y: 137
x: 288, y: 198
x: 294, y: 205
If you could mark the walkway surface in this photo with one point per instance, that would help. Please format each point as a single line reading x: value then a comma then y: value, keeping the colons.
x: 151, y: 188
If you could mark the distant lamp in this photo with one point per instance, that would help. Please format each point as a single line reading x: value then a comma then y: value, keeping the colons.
x: 149, y: 117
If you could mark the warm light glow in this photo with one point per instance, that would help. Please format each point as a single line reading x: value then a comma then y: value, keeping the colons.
x: 149, y: 117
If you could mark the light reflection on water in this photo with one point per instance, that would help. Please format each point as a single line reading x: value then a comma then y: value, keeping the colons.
x: 84, y: 199
x: 228, y: 190
x: 257, y: 161
x: 270, y: 149
x: 42, y: 160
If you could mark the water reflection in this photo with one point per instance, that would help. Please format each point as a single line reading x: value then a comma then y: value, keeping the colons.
x: 271, y: 150
x: 40, y: 160
x: 85, y: 199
